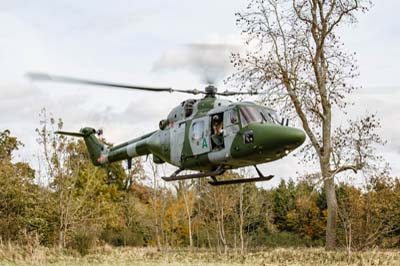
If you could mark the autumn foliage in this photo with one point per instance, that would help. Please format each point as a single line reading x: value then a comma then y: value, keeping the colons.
x: 68, y: 203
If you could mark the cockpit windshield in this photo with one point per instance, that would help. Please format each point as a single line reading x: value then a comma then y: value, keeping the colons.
x: 257, y: 114
x: 273, y: 116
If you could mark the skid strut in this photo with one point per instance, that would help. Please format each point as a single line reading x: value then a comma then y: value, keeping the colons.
x: 219, y: 171
x: 213, y: 174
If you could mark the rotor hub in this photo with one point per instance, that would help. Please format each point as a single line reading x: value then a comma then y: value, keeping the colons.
x: 211, y: 90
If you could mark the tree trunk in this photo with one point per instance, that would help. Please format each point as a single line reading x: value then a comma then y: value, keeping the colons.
x: 190, y: 231
x: 350, y: 241
x: 241, y: 221
x: 158, y: 237
x: 208, y: 239
x: 221, y: 229
x: 60, y: 239
x: 189, y: 215
x: 331, y: 200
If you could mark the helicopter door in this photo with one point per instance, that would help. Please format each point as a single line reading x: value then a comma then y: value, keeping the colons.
x: 199, y: 136
x: 217, y: 131
x: 231, y: 125
x: 177, y: 138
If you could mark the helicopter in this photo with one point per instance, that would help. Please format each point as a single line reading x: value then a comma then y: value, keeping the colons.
x: 209, y: 135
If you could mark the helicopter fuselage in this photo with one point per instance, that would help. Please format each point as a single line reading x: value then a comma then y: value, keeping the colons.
x: 209, y: 134
x: 247, y: 134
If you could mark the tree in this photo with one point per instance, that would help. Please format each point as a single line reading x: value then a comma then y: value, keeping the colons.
x: 284, y: 201
x: 84, y: 194
x: 382, y: 212
x: 306, y: 219
x: 17, y: 190
x: 352, y: 208
x: 184, y: 189
x: 158, y: 201
x: 369, y: 216
x: 255, y: 214
x: 296, y: 53
x: 26, y: 209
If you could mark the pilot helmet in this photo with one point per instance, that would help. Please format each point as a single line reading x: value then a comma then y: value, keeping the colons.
x: 216, y: 118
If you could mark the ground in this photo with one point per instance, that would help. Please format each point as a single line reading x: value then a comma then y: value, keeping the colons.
x: 151, y: 257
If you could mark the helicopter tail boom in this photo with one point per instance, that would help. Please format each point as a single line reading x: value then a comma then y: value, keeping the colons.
x: 94, y: 146
x: 101, y: 153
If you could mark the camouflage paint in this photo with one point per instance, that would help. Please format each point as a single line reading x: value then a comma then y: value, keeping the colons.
x: 173, y: 144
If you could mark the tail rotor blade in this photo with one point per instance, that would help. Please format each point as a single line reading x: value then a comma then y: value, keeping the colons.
x: 73, y: 134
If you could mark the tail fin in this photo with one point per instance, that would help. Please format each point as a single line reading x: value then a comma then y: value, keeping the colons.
x: 93, y: 145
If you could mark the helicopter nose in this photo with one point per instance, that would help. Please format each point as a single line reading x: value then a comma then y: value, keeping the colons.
x: 266, y: 142
x: 274, y: 137
x: 293, y: 137
x: 280, y: 139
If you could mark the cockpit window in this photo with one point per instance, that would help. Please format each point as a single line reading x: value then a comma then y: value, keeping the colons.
x: 271, y: 115
x: 253, y: 114
x: 249, y: 114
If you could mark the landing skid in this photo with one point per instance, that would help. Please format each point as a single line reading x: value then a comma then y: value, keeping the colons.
x: 260, y: 177
x: 239, y: 181
x: 213, y: 174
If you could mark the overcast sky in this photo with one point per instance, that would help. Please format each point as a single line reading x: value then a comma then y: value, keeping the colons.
x: 157, y: 43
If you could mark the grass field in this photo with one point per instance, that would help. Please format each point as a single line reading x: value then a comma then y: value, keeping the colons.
x: 149, y: 256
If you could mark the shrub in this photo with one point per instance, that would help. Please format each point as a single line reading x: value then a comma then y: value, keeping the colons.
x: 288, y: 239
x: 83, y: 241
x: 124, y: 237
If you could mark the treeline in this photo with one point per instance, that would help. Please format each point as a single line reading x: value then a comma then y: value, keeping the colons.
x: 69, y: 203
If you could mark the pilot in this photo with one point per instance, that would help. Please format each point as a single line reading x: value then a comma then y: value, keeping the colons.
x: 217, y: 136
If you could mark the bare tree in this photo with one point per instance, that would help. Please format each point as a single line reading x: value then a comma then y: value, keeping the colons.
x: 157, y: 202
x: 54, y: 153
x: 76, y: 183
x: 296, y: 54
x: 184, y: 189
x: 247, y: 203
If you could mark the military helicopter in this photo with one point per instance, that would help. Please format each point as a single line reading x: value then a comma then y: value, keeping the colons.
x: 209, y: 135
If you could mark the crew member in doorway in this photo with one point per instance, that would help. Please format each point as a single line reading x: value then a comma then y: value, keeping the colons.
x: 217, y: 134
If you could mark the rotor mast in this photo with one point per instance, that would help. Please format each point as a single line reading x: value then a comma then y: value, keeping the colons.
x: 211, y: 91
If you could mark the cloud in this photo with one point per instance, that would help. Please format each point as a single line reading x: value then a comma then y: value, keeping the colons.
x: 209, y: 62
x: 21, y: 104
x: 383, y: 102
x: 118, y: 41
x: 20, y: 48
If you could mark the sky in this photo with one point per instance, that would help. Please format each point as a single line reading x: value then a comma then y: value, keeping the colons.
x: 160, y: 43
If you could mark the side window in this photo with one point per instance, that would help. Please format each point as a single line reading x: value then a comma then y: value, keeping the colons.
x: 189, y: 107
x: 233, y: 117
x: 198, y: 130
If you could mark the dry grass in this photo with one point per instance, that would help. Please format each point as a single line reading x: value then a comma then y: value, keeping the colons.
x: 13, y: 255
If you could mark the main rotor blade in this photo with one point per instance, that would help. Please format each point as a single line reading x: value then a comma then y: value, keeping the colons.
x: 233, y: 93
x: 38, y: 76
x: 47, y: 77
